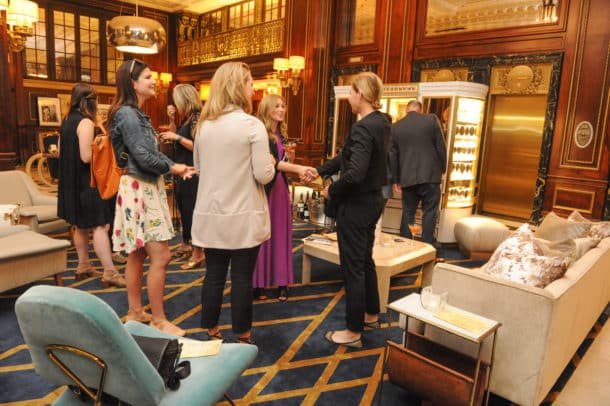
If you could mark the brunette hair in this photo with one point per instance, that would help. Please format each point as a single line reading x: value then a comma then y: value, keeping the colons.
x: 265, y: 108
x: 84, y: 100
x: 128, y: 72
x: 370, y: 87
x: 186, y: 99
x: 227, y: 88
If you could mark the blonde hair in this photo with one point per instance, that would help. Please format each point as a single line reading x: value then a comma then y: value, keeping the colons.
x: 265, y: 108
x: 228, y: 87
x: 370, y: 87
x: 186, y: 99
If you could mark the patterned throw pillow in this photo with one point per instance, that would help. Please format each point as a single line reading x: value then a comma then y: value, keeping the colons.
x: 521, y: 258
x: 597, y: 230
x: 555, y: 228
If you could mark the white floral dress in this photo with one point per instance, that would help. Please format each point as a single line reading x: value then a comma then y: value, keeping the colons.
x: 141, y: 214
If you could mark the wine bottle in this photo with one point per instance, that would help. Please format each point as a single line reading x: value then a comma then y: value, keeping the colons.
x: 300, y: 207
x: 306, y: 208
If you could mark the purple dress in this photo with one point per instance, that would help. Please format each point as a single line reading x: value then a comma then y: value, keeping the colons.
x: 274, y: 263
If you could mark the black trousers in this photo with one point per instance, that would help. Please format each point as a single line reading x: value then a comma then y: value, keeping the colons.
x: 186, y: 194
x: 242, y: 263
x: 356, y: 220
x: 430, y: 196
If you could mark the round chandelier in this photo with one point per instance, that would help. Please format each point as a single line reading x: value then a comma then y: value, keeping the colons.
x: 135, y: 34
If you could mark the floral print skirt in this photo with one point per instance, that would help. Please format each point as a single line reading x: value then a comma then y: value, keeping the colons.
x: 141, y: 214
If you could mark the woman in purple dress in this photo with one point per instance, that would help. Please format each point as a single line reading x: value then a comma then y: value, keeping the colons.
x: 274, y: 264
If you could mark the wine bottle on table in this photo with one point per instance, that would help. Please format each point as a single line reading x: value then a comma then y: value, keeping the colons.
x: 306, y: 208
x: 300, y: 207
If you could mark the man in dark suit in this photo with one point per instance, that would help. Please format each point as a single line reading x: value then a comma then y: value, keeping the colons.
x: 418, y: 159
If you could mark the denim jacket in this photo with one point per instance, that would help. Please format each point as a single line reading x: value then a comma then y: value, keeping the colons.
x: 132, y: 133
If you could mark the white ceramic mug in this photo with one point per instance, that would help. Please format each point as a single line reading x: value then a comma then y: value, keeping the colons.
x: 433, y: 299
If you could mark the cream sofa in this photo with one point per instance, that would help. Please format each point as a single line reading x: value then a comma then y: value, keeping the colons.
x: 37, y: 210
x: 541, y: 328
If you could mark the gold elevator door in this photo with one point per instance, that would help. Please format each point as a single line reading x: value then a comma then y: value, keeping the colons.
x: 512, y: 155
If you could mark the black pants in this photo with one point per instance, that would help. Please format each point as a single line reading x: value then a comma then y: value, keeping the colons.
x: 356, y: 220
x: 242, y: 263
x: 186, y: 194
x: 430, y: 196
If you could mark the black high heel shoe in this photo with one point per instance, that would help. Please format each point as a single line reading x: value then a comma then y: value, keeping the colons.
x: 283, y: 294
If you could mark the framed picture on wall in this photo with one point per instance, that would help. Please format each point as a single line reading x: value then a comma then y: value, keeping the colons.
x: 64, y: 101
x: 49, y: 112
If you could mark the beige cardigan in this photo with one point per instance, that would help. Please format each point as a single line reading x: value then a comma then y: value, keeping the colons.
x: 231, y: 155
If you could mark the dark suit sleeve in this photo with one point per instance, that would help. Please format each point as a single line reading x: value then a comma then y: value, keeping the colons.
x: 331, y: 166
x: 439, y: 143
x: 361, y: 148
x: 393, y: 158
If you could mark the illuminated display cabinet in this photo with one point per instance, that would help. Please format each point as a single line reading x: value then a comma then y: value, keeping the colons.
x: 460, y: 108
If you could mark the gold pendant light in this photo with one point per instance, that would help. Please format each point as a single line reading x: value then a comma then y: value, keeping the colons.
x: 135, y: 34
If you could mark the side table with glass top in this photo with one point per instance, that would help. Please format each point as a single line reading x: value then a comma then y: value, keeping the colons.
x: 435, y: 372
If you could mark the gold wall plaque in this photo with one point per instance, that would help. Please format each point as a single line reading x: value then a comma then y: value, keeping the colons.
x: 521, y: 79
x: 583, y: 134
x: 444, y: 75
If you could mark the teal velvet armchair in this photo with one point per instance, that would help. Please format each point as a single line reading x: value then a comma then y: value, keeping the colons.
x: 53, y: 318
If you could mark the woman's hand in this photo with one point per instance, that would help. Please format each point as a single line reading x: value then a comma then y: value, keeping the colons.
x: 325, y: 193
x: 169, y: 136
x: 182, y: 170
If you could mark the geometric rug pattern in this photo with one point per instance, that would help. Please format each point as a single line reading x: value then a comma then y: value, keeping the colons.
x: 295, y: 364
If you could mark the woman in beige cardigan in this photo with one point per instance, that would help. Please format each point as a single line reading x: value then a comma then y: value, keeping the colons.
x: 231, y: 217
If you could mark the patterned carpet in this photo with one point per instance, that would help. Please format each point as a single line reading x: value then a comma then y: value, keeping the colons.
x: 295, y: 364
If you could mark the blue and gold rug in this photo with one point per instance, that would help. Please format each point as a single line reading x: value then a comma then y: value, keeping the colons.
x: 295, y: 364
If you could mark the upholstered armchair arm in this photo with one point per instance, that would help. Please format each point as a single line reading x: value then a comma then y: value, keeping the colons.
x: 43, y: 199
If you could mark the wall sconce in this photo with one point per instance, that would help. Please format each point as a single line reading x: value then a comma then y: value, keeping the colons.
x: 204, y: 91
x: 21, y: 15
x: 288, y: 71
x: 162, y: 81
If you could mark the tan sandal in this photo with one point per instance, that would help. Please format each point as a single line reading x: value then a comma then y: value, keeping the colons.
x: 138, y: 315
x: 84, y: 270
x: 166, y: 327
x: 113, y: 278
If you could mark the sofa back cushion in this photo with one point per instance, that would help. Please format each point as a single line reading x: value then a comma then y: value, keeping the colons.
x: 14, y: 190
x: 554, y: 228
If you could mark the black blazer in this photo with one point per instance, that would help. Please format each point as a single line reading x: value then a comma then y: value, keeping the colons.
x: 418, y: 153
x: 363, y: 159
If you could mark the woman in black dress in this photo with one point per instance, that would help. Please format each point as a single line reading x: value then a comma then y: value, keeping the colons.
x: 78, y: 203
x: 188, y: 105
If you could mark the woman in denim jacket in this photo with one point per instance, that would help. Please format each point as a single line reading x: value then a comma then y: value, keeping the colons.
x: 142, y: 224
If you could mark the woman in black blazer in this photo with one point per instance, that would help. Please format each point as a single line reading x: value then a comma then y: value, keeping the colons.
x: 357, y: 194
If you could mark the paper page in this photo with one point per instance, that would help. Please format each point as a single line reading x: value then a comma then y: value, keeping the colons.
x: 196, y: 348
x: 463, y: 320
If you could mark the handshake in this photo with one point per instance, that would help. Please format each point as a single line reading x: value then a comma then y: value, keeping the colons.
x: 308, y: 174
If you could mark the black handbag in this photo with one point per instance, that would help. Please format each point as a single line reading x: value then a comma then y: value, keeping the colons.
x: 164, y: 355
x: 331, y: 206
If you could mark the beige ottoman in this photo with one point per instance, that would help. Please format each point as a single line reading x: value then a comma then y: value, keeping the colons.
x: 27, y: 256
x: 479, y: 236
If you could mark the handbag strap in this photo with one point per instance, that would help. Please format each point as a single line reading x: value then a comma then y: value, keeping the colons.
x: 182, y: 370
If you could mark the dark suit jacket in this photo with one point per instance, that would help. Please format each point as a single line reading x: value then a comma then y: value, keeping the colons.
x: 362, y: 160
x: 418, y: 153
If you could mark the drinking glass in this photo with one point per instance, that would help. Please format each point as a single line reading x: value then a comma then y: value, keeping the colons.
x: 433, y: 298
x: 414, y: 229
